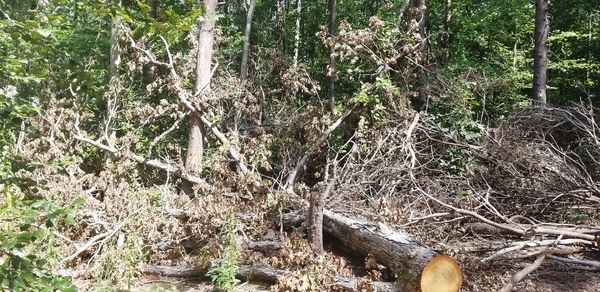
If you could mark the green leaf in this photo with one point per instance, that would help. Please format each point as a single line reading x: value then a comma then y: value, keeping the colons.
x: 144, y: 7
x: 79, y: 202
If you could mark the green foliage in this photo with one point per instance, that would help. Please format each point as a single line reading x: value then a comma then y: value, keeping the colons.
x: 27, y: 253
x: 223, y: 274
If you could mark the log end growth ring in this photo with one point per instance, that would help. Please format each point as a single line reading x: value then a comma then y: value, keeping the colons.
x: 441, y: 274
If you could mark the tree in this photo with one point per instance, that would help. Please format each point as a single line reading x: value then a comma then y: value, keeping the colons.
x: 247, y: 31
x: 331, y: 75
x: 540, y: 52
x: 113, y: 102
x: 297, y: 37
x: 418, y: 11
x: 196, y: 129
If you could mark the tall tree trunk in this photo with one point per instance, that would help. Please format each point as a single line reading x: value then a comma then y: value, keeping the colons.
x: 247, y: 31
x: 113, y: 102
x: 447, y: 22
x: 196, y: 129
x: 332, y: 73
x: 281, y: 24
x: 540, y: 52
x: 420, y: 7
x: 297, y: 37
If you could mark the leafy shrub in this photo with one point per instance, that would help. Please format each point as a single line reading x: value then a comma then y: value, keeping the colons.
x: 223, y: 274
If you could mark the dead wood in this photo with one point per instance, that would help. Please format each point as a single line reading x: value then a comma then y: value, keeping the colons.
x: 408, y: 258
x: 264, y: 246
x: 260, y: 273
x: 264, y: 274
x: 500, y: 228
x: 418, y: 266
x: 523, y: 273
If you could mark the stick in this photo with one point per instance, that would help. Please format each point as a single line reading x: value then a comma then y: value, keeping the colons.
x: 523, y: 273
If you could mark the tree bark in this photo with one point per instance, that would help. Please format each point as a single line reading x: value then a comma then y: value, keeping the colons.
x: 419, y: 268
x: 420, y: 6
x: 113, y: 102
x: 315, y: 221
x: 540, y: 52
x: 196, y: 129
x: 332, y: 73
x: 447, y: 22
x: 297, y: 37
x: 247, y: 32
x: 281, y: 24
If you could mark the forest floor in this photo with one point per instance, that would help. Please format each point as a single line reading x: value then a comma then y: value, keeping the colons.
x: 550, y: 277
x: 536, y: 176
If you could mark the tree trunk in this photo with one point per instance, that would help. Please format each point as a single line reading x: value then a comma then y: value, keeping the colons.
x: 315, y: 221
x: 281, y: 25
x: 247, y: 31
x: 196, y: 129
x: 113, y: 102
x: 297, y: 37
x: 447, y: 22
x: 540, y: 52
x: 419, y: 268
x: 422, y: 85
x: 331, y: 74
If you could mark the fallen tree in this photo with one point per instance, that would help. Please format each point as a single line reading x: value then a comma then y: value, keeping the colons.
x: 418, y: 267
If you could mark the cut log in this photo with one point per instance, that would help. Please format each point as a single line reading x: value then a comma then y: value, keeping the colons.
x: 418, y: 267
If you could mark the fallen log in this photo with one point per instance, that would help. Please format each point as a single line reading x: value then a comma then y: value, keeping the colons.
x: 417, y: 267
x: 264, y: 274
x: 583, y: 232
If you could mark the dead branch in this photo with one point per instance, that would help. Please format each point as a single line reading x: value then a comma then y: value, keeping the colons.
x: 152, y: 163
x: 523, y: 273
x: 513, y: 228
x: 291, y: 179
x: 185, y: 97
x: 93, y: 241
x: 588, y: 264
x: 538, y: 228
x: 536, y: 243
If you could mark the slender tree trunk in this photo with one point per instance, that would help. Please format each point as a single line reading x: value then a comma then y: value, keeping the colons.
x: 447, y: 22
x: 154, y: 13
x: 247, y: 32
x: 113, y: 102
x: 540, y: 52
x: 423, y: 90
x: 297, y: 37
x: 315, y: 220
x: 196, y: 129
x: 332, y: 73
x: 281, y: 24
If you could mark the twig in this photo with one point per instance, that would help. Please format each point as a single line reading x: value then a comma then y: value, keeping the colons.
x: 165, y: 133
x: 523, y: 273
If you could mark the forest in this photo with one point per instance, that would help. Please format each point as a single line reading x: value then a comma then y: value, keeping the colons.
x: 299, y: 145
